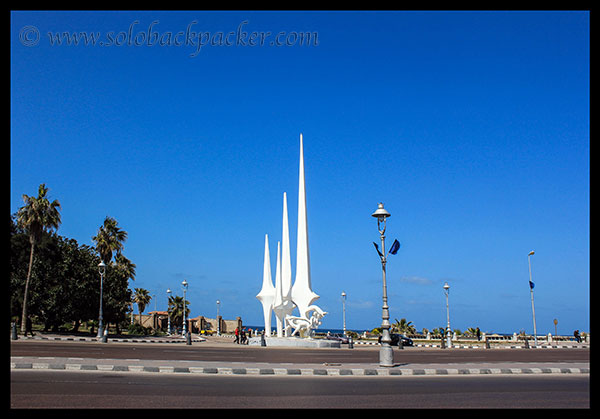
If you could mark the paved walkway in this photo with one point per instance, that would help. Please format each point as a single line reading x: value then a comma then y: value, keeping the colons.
x: 331, y: 369
x: 278, y: 369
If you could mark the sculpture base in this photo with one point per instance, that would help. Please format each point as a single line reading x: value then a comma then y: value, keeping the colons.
x: 295, y: 342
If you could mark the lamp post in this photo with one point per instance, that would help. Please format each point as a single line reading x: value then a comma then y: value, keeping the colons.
x: 185, y: 285
x: 102, y: 270
x: 448, y: 339
x: 344, y: 311
x: 218, y: 321
x: 168, y: 313
x: 531, y: 290
x: 386, y: 354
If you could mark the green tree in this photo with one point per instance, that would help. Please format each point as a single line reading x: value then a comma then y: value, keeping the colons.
x: 36, y: 216
x: 176, y: 309
x: 109, y: 239
x: 125, y: 267
x: 404, y: 327
x: 142, y: 298
x: 471, y: 331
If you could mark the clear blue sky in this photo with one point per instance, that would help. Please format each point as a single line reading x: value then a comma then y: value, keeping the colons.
x: 472, y: 128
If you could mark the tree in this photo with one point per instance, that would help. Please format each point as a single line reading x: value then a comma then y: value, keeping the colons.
x: 142, y: 298
x: 36, y: 216
x: 176, y: 309
x: 109, y: 239
x: 403, y: 327
x: 471, y: 331
x: 125, y: 267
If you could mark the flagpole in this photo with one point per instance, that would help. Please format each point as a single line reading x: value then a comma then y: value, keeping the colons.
x: 531, y: 291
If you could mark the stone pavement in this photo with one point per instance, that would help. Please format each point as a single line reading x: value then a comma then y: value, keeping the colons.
x: 279, y: 369
x: 291, y: 369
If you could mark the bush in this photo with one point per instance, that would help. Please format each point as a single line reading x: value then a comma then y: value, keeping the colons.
x: 138, y: 329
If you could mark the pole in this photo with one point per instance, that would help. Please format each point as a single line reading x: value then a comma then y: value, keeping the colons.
x: 448, y: 339
x: 532, y: 306
x: 100, y: 325
x: 386, y: 355
x: 168, y: 312
x: 344, y: 311
x: 184, y: 322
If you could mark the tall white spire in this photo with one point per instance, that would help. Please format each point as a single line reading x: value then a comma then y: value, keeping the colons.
x: 267, y: 294
x: 286, y: 264
x: 278, y: 301
x: 283, y: 304
x: 302, y: 293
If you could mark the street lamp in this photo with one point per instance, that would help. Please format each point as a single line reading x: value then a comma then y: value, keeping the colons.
x: 344, y: 311
x: 386, y: 354
x: 168, y: 313
x: 185, y: 285
x: 531, y: 285
x: 218, y: 321
x: 447, y: 291
x: 102, y: 270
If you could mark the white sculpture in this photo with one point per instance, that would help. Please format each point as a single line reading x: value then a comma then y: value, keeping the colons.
x: 267, y: 294
x: 284, y: 297
x: 283, y: 305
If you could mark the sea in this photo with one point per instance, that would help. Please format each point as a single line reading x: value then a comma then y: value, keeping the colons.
x: 319, y: 331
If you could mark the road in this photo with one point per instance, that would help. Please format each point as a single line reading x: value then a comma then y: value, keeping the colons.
x: 240, y: 353
x: 43, y: 389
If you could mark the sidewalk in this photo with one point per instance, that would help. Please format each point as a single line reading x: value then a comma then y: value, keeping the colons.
x: 275, y: 369
x: 357, y: 344
x: 289, y: 369
x: 133, y: 339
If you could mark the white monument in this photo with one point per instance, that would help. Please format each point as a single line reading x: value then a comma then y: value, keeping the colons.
x: 283, y: 298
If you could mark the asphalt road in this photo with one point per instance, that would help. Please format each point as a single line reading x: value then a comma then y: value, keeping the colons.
x: 241, y: 353
x: 50, y: 389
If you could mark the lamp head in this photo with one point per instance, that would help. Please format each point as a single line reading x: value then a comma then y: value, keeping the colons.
x: 381, y: 214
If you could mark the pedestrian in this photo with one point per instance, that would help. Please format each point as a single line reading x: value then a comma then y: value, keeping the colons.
x: 237, y: 335
x: 243, y: 338
x: 478, y: 332
x: 28, y: 327
x: 577, y: 336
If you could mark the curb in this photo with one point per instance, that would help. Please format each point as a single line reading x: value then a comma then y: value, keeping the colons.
x: 433, y: 345
x: 201, y: 339
x: 292, y: 371
x: 122, y: 340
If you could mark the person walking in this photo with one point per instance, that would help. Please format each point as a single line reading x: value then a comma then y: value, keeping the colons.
x: 237, y: 335
x: 478, y: 332
x: 28, y: 327
x: 577, y: 336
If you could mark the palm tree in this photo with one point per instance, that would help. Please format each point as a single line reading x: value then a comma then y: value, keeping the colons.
x: 125, y: 266
x: 35, y: 217
x: 176, y: 309
x: 109, y: 239
x: 471, y: 331
x: 403, y: 327
x: 142, y: 298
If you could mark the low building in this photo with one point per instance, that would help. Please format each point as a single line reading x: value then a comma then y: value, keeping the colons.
x: 159, y: 320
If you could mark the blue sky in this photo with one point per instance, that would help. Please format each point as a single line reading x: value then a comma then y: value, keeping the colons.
x: 471, y: 127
